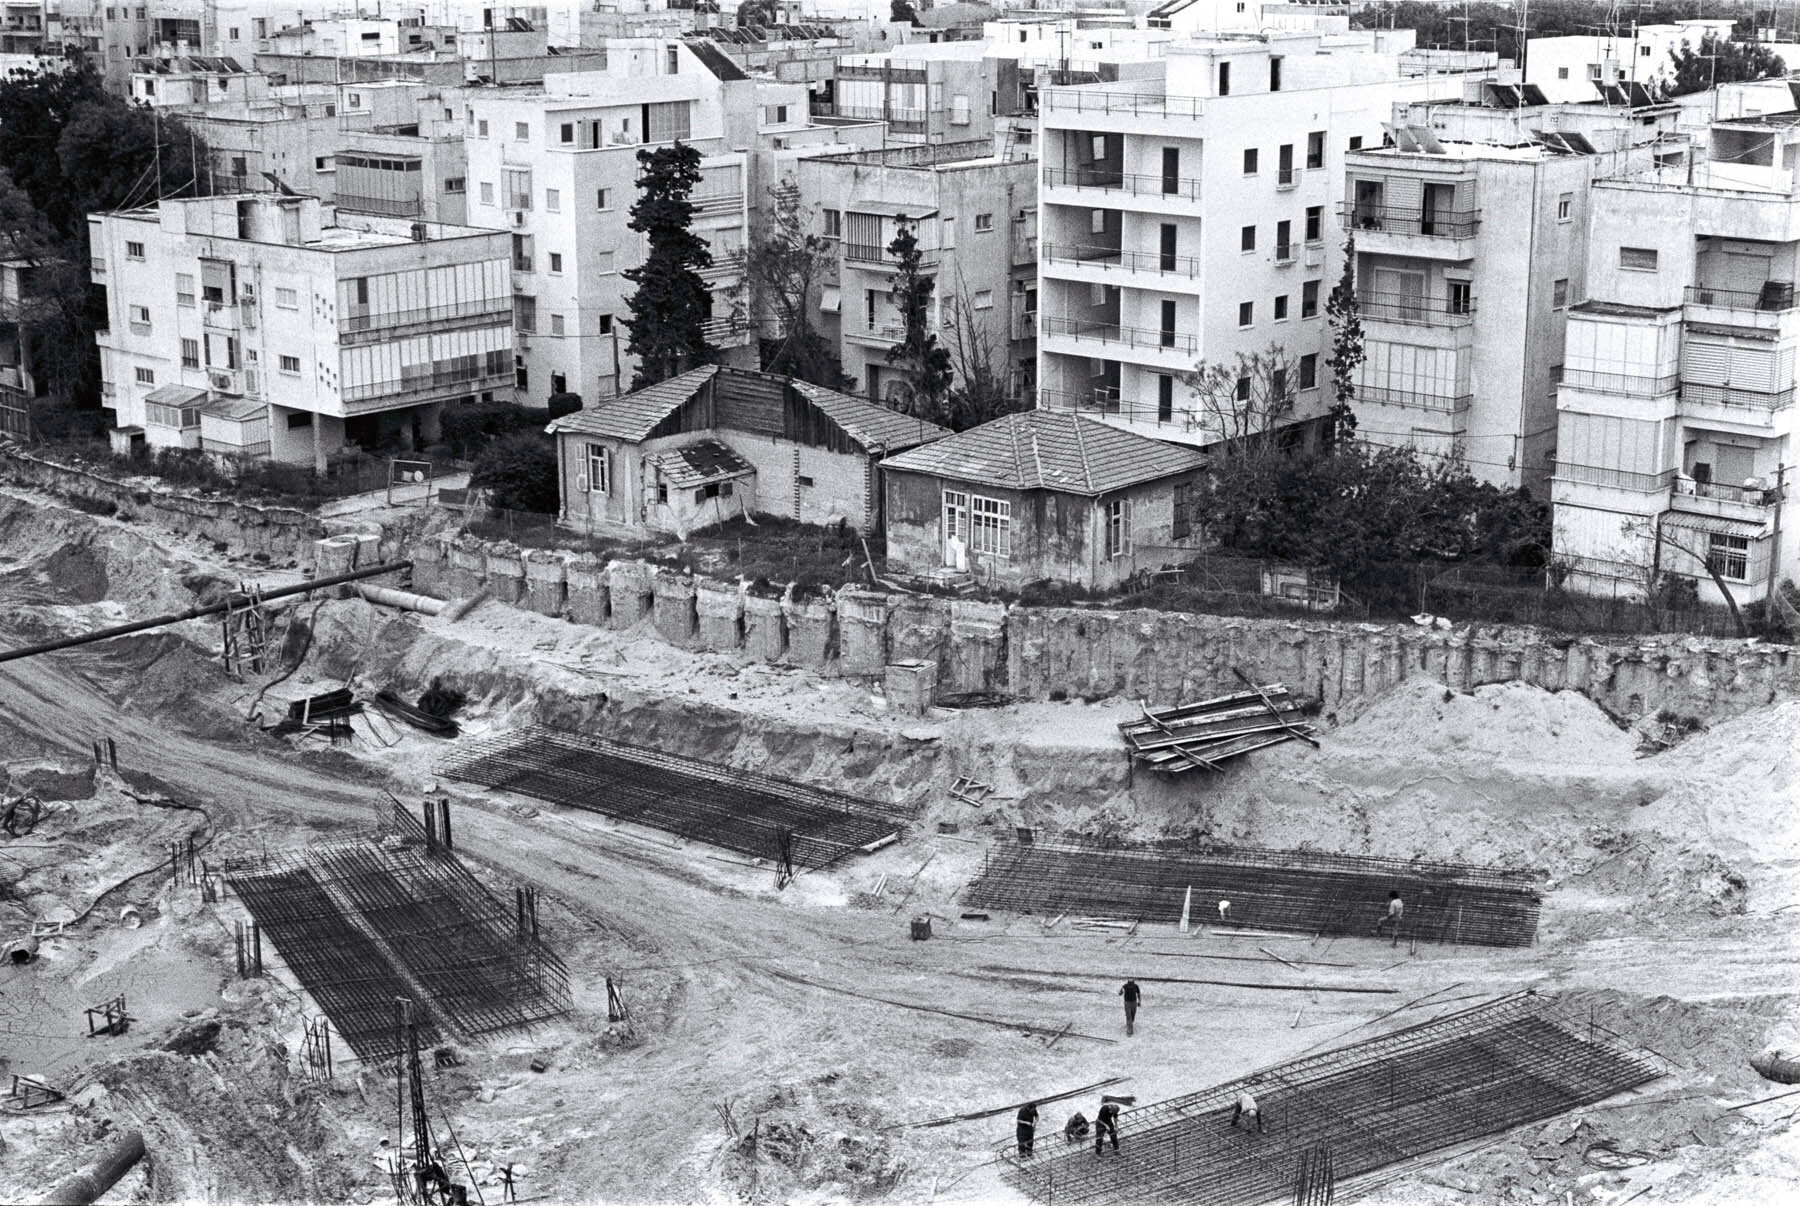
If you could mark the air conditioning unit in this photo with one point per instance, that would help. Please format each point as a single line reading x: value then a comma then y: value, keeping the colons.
x: 518, y: 217
x: 225, y: 383
x: 1315, y: 255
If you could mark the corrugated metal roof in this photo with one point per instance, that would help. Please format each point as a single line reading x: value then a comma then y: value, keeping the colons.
x: 716, y: 61
x: 634, y: 416
x: 1047, y: 450
x: 698, y: 463
x: 876, y: 428
x: 234, y: 410
x: 175, y: 395
x: 1715, y: 525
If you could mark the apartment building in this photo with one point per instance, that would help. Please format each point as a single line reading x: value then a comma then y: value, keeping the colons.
x: 1479, y: 215
x: 1677, y: 421
x: 266, y: 326
x: 1195, y: 217
x: 974, y: 215
x: 1580, y: 67
x: 926, y: 92
x: 18, y: 385
x: 24, y: 27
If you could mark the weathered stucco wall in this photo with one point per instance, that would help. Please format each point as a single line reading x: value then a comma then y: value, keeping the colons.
x: 1159, y: 656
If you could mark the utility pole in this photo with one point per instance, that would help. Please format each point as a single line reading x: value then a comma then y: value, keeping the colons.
x: 1775, y: 543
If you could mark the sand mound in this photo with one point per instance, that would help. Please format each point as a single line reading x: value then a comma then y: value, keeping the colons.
x: 1511, y: 723
x: 1738, y: 783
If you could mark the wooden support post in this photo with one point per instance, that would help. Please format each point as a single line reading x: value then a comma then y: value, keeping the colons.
x: 256, y: 942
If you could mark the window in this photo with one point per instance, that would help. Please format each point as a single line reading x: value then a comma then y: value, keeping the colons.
x: 517, y: 182
x: 522, y: 260
x: 606, y: 324
x: 662, y: 492
x: 984, y: 299
x: 299, y: 419
x: 456, y: 184
x: 1242, y: 392
x: 1309, y: 371
x: 481, y: 128
x: 1274, y: 72
x: 599, y: 469
x: 603, y: 262
x: 1315, y: 220
x: 983, y: 222
x: 231, y: 30
x: 1181, y: 521
x: 1559, y: 293
x: 802, y: 480
x: 259, y: 27
x: 184, y: 289
x: 552, y: 201
x: 834, y: 223
x: 1315, y: 149
x: 1118, y: 527
x: 521, y: 131
x: 487, y: 192
x: 1249, y: 161
x: 990, y: 526
x: 190, y: 353
x: 290, y: 365
x: 323, y: 163
x: 1246, y: 313
x: 525, y: 313
x: 1594, y: 71
x: 134, y: 251
x: 287, y: 299
x: 1562, y: 73
x: 140, y: 315
x: 565, y: 133
x: 1643, y: 52
x: 1565, y: 207
x: 1728, y: 556
x: 1281, y: 307
x: 1461, y: 299
x: 146, y: 376
x: 1165, y: 398
x: 1637, y: 259
x: 949, y: 235
x: 1224, y: 79
x: 1309, y: 299
x: 1284, y: 241
x: 521, y: 374
x: 1247, y: 239
x: 1356, y: 143
x: 674, y: 60
x: 603, y: 199
x: 556, y: 262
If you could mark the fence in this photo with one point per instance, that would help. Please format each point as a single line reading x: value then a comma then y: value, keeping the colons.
x: 1612, y: 600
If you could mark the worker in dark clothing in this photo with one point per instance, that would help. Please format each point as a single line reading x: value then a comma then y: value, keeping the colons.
x: 1077, y: 1127
x: 1132, y: 995
x: 1107, y: 1124
x: 1027, y: 1129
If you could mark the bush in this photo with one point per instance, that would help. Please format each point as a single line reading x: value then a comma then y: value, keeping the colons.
x: 470, y: 429
x: 519, y: 472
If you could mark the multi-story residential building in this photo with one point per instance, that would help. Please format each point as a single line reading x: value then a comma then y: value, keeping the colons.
x: 1480, y: 210
x: 973, y: 213
x: 260, y: 325
x: 1194, y: 217
x: 18, y: 385
x: 1578, y: 67
x: 274, y: 144
x: 926, y: 92
x: 23, y: 27
x: 1677, y: 419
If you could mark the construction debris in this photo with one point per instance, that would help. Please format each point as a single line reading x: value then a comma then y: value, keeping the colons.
x: 971, y: 791
x: 1208, y: 732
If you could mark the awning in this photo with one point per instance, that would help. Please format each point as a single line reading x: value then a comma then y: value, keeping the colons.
x: 700, y: 463
x: 831, y: 299
x: 175, y: 395
x: 234, y: 410
x: 1716, y: 525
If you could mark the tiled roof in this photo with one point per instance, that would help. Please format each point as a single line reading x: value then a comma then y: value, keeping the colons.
x: 634, y: 416
x: 876, y: 428
x: 698, y: 463
x: 1048, y: 450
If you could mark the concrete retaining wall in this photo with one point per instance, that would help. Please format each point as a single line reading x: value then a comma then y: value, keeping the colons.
x: 720, y: 607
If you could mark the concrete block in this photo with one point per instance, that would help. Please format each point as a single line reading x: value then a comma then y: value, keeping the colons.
x: 677, y: 619
x: 765, y: 629
x: 368, y: 549
x: 812, y: 633
x: 506, y: 573
x: 720, y: 608
x: 545, y: 583
x: 468, y: 568
x: 918, y: 628
x: 628, y: 587
x: 428, y: 568
x: 976, y: 657
x: 862, y: 618
x: 333, y: 555
x: 584, y: 578
x: 911, y: 686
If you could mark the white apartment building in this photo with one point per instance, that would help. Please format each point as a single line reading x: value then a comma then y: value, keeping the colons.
x: 974, y: 215
x: 1577, y: 67
x: 1677, y: 426
x: 1194, y: 217
x: 18, y: 385
x: 259, y: 325
x: 1471, y: 245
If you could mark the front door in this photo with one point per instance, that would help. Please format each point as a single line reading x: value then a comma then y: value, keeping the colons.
x: 956, y: 530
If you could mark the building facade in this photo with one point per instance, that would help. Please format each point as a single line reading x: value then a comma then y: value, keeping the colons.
x: 1580, y: 67
x: 265, y: 326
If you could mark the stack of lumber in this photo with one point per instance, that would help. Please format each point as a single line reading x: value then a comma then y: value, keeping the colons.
x: 1210, y: 731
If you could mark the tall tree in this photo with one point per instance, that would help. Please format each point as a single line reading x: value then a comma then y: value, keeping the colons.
x: 1344, y: 314
x: 984, y: 389
x: 671, y: 305
x: 902, y: 10
x: 1244, y: 403
x: 919, y: 355
x: 787, y: 262
x: 1726, y: 62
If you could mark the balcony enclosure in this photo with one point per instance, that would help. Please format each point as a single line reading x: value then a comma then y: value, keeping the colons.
x: 1413, y: 208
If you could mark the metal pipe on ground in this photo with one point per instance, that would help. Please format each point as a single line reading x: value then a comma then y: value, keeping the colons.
x: 403, y: 599
x: 195, y: 613
x: 85, y: 1187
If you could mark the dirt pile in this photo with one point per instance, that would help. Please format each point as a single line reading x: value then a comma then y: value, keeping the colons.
x: 816, y: 1141
x: 1506, y: 724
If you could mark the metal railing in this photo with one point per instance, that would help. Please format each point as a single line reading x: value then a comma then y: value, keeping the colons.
x: 1287, y: 177
x: 1751, y: 496
x: 393, y: 207
x: 466, y: 380
x: 1414, y: 309
x: 1636, y: 385
x: 1099, y: 100
x: 495, y: 308
x: 870, y: 253
x: 1774, y: 297
x: 729, y: 264
x: 1736, y: 396
x: 1111, y: 332
x: 1113, y: 257
x: 1459, y: 224
x: 1142, y: 184
x: 1618, y: 479
x: 718, y: 201
x: 1415, y: 399
x: 880, y: 113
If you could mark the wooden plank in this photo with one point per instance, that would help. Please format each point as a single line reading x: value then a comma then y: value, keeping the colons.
x: 1180, y: 711
x: 1306, y: 737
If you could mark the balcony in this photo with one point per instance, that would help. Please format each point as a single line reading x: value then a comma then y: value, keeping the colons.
x: 716, y: 203
x: 886, y: 336
x: 1414, y: 310
x: 392, y: 207
x: 1426, y: 400
x: 423, y: 387
x: 1102, y: 102
x: 1730, y: 405
x: 1090, y: 255
x: 868, y: 255
x: 1437, y: 234
x: 1760, y: 309
x: 1613, y: 479
x: 1152, y: 339
x: 728, y: 266
x: 96, y: 268
x: 1287, y: 177
x: 223, y: 316
x: 1134, y: 184
x: 1752, y: 503
x: 725, y: 332
x: 366, y: 328
x: 1634, y: 385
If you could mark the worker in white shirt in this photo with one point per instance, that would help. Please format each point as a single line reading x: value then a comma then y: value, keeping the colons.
x: 1247, y: 1108
x: 1396, y: 911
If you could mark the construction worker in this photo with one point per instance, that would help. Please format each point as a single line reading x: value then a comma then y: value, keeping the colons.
x: 508, y: 1191
x: 1246, y: 1106
x: 1396, y: 910
x: 1132, y: 994
x: 1107, y: 1124
x: 1077, y: 1127
x: 1027, y: 1129
x: 1224, y: 912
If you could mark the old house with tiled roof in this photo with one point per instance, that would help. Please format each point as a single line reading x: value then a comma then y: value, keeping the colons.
x: 1041, y: 495
x: 718, y: 442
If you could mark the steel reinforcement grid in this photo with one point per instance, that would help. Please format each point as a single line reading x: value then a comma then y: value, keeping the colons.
x: 1371, y: 1106
x: 361, y: 924
x: 1300, y: 891
x: 732, y: 809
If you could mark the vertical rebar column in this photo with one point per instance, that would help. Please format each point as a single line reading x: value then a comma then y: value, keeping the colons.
x: 444, y: 823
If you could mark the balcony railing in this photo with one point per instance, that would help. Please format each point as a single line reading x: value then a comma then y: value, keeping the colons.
x: 1136, y: 183
x: 728, y: 265
x: 495, y: 308
x: 1287, y: 177
x: 1136, y: 337
x: 1459, y: 224
x: 1415, y: 399
x: 1618, y: 479
x: 393, y: 207
x: 1731, y: 395
x: 1113, y: 257
x: 97, y: 265
x: 881, y: 113
x: 869, y: 253
x: 1099, y: 100
x: 1635, y: 385
x: 1772, y: 297
x: 1415, y: 310
x: 1750, y: 496
x: 718, y: 201
x: 464, y: 380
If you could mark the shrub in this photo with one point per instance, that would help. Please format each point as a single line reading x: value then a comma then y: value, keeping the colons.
x: 519, y: 472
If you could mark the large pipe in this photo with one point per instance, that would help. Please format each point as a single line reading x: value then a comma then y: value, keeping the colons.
x: 195, y: 613
x: 85, y: 1187
x: 404, y: 599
